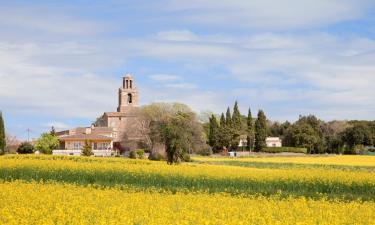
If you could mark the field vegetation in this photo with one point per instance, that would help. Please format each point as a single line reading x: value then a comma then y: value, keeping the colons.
x: 88, y: 190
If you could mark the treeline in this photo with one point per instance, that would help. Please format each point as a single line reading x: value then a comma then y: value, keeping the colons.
x: 225, y: 133
x: 317, y: 136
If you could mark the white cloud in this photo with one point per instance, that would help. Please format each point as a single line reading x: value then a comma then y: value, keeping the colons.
x: 176, y: 35
x: 164, y: 77
x: 269, y: 14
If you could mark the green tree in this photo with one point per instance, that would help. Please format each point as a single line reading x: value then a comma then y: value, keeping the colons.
x: 213, y: 133
x: 53, y: 132
x: 236, y: 118
x: 228, y: 119
x: 222, y: 120
x: 87, y: 149
x: 304, y: 135
x: 2, y: 135
x: 260, y: 131
x: 46, y: 143
x: 25, y: 148
x: 177, y: 136
x: 250, y: 130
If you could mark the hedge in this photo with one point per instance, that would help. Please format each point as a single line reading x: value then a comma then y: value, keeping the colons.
x: 284, y: 149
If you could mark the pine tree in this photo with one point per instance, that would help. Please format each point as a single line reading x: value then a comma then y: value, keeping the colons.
x: 260, y: 131
x: 213, y: 132
x: 250, y: 130
x: 2, y: 135
x: 236, y: 118
x: 228, y: 119
x: 87, y: 149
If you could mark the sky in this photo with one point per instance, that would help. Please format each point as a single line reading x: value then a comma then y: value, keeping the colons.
x: 61, y: 62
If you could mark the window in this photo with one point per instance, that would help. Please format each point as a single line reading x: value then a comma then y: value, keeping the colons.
x: 77, y: 145
x: 130, y: 98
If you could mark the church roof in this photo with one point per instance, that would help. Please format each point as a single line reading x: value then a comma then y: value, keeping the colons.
x: 85, y: 137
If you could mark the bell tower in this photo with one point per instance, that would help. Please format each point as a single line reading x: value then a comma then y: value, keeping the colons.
x: 127, y: 94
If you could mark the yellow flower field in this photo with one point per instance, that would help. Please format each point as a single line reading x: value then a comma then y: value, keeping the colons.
x: 88, y: 190
x: 348, y: 160
x: 42, y: 203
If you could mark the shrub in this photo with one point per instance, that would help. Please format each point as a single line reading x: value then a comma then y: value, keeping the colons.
x: 25, y: 148
x: 46, y: 143
x: 156, y: 156
x: 140, y: 153
x: 284, y: 149
x: 205, y: 151
x: 87, y: 149
x: 186, y: 157
x: 132, y: 154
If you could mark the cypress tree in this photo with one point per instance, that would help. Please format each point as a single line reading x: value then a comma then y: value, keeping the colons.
x: 212, y: 135
x: 228, y: 119
x: 2, y: 135
x: 260, y: 131
x: 53, y: 132
x: 236, y: 118
x: 222, y: 120
x: 250, y: 130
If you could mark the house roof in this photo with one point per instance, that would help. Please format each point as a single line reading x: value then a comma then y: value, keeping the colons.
x: 85, y: 137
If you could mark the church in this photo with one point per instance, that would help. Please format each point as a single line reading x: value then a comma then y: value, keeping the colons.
x: 113, y: 132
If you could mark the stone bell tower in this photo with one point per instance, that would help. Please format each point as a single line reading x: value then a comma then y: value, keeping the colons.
x: 127, y: 95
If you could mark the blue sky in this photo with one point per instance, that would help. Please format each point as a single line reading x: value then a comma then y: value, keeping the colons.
x: 61, y: 62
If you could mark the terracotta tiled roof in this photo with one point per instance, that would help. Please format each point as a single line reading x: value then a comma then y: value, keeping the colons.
x: 85, y: 137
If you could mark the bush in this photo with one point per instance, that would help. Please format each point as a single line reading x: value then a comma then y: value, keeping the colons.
x: 25, y: 148
x: 140, y: 153
x: 284, y: 149
x: 186, y: 157
x: 132, y: 154
x: 87, y: 149
x: 205, y: 151
x: 156, y: 156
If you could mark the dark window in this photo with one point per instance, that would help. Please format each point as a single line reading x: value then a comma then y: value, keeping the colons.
x: 130, y: 98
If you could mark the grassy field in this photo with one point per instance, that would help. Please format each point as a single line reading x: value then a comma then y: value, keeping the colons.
x: 277, y: 190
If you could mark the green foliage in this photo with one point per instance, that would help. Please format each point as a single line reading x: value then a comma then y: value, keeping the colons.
x: 205, y: 151
x: 223, y: 122
x: 177, y: 137
x: 228, y: 119
x: 46, y: 143
x: 53, y: 132
x: 359, y: 134
x: 250, y: 131
x: 156, y: 156
x: 132, y: 154
x: 140, y: 153
x: 87, y: 149
x: 284, y: 149
x: 2, y: 135
x: 236, y: 118
x: 213, y: 135
x: 260, y: 131
x: 25, y: 148
x: 175, y: 126
x: 186, y: 157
